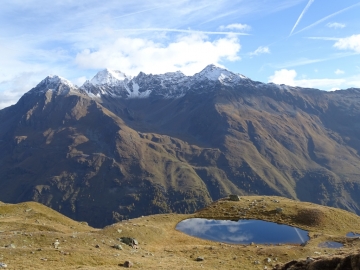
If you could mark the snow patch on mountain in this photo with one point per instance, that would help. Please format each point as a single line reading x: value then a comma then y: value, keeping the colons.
x: 214, y: 73
x: 115, y: 83
x: 54, y: 83
x: 109, y: 77
x: 54, y: 80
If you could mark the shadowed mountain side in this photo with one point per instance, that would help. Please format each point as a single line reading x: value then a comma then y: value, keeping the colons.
x: 105, y: 158
x: 273, y: 140
x: 77, y: 157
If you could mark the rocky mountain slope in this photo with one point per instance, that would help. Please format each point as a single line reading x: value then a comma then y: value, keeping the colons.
x: 120, y: 147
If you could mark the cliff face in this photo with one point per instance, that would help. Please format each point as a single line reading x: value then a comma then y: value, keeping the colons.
x: 106, y: 152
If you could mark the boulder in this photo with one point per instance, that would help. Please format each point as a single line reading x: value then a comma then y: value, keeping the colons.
x: 129, y: 241
x: 128, y: 264
x: 233, y: 197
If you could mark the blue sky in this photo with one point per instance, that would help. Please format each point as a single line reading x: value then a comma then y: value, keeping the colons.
x: 309, y: 43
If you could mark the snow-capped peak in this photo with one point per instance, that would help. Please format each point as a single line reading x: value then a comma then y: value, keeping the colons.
x: 108, y: 77
x: 56, y: 84
x: 213, y: 73
x: 53, y: 80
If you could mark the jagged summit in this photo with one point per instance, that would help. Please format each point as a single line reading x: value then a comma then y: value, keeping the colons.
x: 213, y: 73
x: 54, y: 80
x: 115, y: 83
x: 54, y: 83
x: 108, y: 77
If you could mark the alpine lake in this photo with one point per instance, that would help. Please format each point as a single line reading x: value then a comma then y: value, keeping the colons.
x: 243, y: 231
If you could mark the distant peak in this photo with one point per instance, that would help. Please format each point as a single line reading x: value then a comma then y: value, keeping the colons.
x: 54, y: 83
x: 213, y: 73
x: 108, y: 77
x: 52, y: 80
x: 212, y: 67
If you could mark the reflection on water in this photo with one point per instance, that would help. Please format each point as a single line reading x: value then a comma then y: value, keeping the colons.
x: 330, y: 244
x: 352, y: 234
x: 244, y: 231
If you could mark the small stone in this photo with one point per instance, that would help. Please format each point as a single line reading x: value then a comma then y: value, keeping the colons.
x: 97, y: 246
x: 268, y: 260
x: 119, y: 247
x: 256, y: 262
x: 128, y: 264
x: 10, y: 246
x: 279, y: 210
x: 199, y: 259
x: 3, y: 265
x: 56, y: 244
x: 309, y: 260
x: 119, y: 231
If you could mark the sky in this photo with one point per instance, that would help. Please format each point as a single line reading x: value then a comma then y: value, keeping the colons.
x: 308, y: 43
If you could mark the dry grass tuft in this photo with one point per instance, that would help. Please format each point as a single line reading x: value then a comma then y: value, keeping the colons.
x: 310, y: 217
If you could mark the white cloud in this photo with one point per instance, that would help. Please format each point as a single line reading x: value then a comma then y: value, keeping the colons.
x: 260, y: 50
x: 15, y: 87
x: 188, y: 53
x: 336, y: 25
x: 349, y: 43
x: 339, y: 72
x: 236, y: 26
x: 79, y: 81
x: 288, y: 77
x: 284, y: 76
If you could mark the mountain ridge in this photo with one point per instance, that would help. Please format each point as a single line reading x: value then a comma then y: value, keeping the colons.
x: 105, y: 157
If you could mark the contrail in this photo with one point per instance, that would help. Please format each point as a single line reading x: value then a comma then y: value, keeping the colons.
x: 324, y: 38
x: 182, y: 31
x: 137, y: 12
x: 301, y: 15
x: 327, y: 17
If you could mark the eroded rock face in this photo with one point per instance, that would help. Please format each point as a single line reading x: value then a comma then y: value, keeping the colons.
x: 349, y: 262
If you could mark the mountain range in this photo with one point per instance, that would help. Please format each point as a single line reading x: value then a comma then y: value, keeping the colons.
x: 119, y: 147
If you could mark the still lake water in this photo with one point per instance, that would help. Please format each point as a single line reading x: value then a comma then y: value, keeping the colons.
x: 244, y: 231
x: 330, y: 244
x: 352, y: 235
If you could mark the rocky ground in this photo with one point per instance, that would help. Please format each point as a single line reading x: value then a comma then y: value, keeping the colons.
x: 36, y: 237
